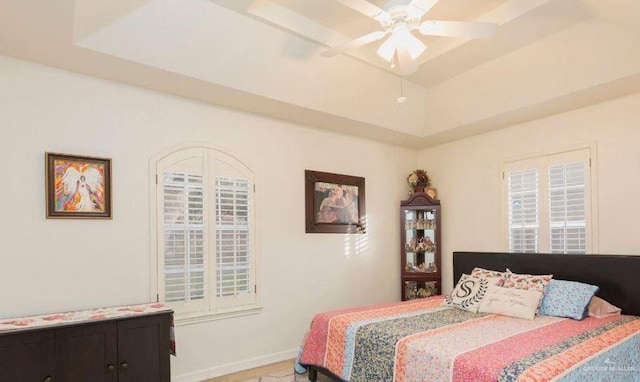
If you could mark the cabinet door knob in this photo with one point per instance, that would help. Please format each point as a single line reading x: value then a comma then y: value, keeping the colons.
x: 124, y: 365
x: 48, y: 378
x: 111, y: 367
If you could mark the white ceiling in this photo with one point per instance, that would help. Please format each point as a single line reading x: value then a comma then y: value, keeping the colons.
x: 263, y: 56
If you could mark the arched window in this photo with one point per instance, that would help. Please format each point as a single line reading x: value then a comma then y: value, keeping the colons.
x: 205, y: 232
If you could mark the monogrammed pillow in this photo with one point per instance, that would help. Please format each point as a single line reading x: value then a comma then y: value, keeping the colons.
x: 468, y: 293
x: 519, y: 303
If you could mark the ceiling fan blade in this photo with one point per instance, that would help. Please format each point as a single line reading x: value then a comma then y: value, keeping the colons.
x: 407, y: 65
x: 360, y: 41
x: 418, y: 8
x: 458, y: 29
x: 367, y: 9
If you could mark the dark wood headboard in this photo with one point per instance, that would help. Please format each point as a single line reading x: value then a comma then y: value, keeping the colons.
x: 617, y: 276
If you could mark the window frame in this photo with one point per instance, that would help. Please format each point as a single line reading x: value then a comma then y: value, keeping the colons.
x: 546, y: 159
x: 210, y: 154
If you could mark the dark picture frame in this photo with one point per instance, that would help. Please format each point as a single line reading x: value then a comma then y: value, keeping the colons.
x: 334, y: 203
x: 77, y: 187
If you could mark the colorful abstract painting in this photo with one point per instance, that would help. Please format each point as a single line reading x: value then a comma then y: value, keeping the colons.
x: 78, y: 186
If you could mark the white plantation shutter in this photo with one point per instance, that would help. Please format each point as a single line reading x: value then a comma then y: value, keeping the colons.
x: 523, y: 211
x: 568, y: 208
x: 184, y: 269
x: 233, y: 266
x: 206, y: 257
x: 547, y: 200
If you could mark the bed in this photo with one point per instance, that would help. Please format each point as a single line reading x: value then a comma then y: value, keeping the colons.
x: 420, y: 340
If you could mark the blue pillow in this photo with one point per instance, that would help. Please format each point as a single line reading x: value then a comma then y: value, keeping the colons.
x: 567, y: 299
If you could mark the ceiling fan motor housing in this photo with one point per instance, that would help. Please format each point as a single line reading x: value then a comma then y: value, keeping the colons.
x: 399, y: 12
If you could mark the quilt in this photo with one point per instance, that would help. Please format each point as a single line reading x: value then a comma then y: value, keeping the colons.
x: 421, y: 340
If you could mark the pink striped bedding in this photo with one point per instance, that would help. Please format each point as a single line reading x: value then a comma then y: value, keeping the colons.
x: 420, y: 340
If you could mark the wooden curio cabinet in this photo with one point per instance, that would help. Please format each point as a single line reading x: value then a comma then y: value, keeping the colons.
x: 420, y: 246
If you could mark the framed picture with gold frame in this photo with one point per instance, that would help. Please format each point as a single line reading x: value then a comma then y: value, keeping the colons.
x: 78, y: 187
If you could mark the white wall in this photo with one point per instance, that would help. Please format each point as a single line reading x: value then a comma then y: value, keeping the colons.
x: 467, y: 175
x: 59, y: 265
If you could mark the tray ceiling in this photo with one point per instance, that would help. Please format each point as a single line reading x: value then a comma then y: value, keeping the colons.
x: 263, y: 57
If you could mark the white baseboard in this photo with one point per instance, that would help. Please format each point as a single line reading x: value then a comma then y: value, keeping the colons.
x: 230, y: 368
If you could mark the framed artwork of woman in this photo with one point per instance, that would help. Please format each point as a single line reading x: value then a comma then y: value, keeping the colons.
x: 334, y: 203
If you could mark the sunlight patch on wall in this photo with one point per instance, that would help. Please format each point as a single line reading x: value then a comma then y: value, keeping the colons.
x: 356, y: 244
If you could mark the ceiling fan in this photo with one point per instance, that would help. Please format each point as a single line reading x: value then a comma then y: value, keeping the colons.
x: 399, y: 18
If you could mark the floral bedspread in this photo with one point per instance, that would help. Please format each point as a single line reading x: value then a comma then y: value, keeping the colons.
x: 22, y: 323
x: 420, y: 340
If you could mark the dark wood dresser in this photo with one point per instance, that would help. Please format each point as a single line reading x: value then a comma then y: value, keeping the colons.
x: 133, y: 348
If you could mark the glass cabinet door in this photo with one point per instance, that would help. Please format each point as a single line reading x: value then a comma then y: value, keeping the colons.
x: 420, y: 240
x: 420, y: 289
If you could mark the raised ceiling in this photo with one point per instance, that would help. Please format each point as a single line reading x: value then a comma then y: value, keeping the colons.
x: 263, y: 56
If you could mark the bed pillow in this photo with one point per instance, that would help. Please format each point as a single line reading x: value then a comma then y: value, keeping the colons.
x: 467, y: 294
x: 567, y: 299
x: 494, y: 277
x: 519, y: 303
x: 525, y: 281
x: 600, y: 308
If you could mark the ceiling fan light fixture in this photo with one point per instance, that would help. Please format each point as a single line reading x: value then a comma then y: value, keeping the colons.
x: 405, y: 38
x: 387, y: 49
x: 401, y: 33
x: 415, y: 47
x: 401, y: 37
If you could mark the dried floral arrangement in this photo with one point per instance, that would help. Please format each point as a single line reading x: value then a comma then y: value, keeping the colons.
x: 418, y: 177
